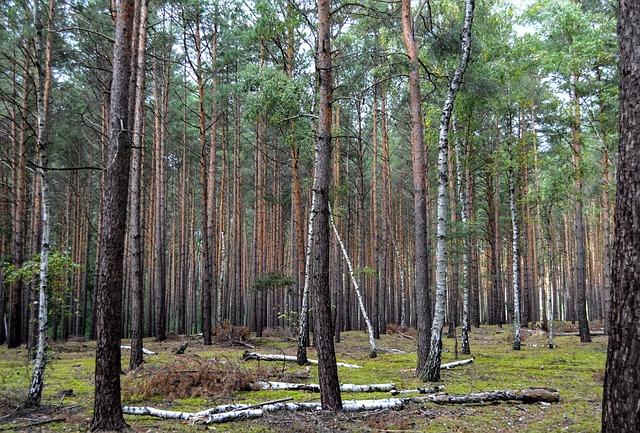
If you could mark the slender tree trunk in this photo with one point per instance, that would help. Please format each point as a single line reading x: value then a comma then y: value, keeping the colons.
x: 107, y: 404
x: 136, y: 287
x: 43, y: 66
x: 464, y: 217
x: 432, y: 370
x: 620, y: 411
x: 421, y: 281
x: 581, y: 272
x: 515, y: 261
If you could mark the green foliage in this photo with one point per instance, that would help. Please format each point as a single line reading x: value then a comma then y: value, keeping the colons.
x: 61, y: 267
x: 272, y: 280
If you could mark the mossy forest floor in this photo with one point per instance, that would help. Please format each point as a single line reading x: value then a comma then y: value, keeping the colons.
x: 575, y: 369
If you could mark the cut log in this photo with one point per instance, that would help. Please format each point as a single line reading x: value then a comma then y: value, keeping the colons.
x: 145, y: 351
x: 314, y: 387
x: 431, y: 390
x: 453, y: 364
x: 529, y: 395
x: 287, y: 358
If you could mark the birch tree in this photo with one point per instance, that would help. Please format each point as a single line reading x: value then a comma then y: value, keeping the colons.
x: 432, y: 370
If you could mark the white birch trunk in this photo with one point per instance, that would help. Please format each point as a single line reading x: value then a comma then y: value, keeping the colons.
x: 43, y: 65
x: 287, y: 358
x: 462, y: 196
x: 432, y: 370
x: 431, y: 390
x: 314, y: 387
x: 403, y: 295
x: 236, y: 412
x: 223, y: 270
x: 145, y: 351
x: 239, y: 412
x: 514, y: 262
x: 453, y: 364
x: 372, y: 341
x: 304, y: 310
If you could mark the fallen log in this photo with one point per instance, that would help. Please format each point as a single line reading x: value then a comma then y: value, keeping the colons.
x: 145, y: 351
x: 575, y: 334
x: 453, y: 364
x: 287, y: 358
x: 170, y: 414
x: 347, y: 406
x: 528, y: 395
x: 431, y: 390
x: 236, y: 412
x: 231, y: 412
x: 314, y: 387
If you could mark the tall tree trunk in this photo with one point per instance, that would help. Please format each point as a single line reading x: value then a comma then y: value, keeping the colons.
x: 421, y: 281
x: 581, y: 272
x: 464, y: 217
x: 319, y: 270
x: 432, y: 370
x: 515, y: 260
x: 43, y: 67
x: 159, y: 257
x: 107, y: 404
x: 18, y: 226
x: 136, y: 269
x: 620, y: 411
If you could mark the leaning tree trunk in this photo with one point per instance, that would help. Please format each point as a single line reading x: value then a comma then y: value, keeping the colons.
x: 43, y: 67
x: 620, y: 412
x: 107, y: 406
x: 432, y: 371
x: 421, y: 281
x: 363, y: 310
x: 319, y: 270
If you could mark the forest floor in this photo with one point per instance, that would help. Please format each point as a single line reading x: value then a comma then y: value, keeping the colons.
x: 207, y: 376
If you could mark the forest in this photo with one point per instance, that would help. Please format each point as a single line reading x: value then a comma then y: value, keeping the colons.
x: 331, y: 215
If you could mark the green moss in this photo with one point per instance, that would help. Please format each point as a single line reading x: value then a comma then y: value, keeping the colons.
x: 573, y: 368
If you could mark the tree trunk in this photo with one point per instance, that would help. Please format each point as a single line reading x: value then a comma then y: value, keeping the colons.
x: 515, y: 260
x: 43, y: 67
x: 464, y: 217
x: 136, y: 287
x: 620, y: 412
x: 319, y: 269
x: 581, y: 272
x: 107, y: 408
x: 432, y: 370
x: 363, y: 311
x: 421, y: 281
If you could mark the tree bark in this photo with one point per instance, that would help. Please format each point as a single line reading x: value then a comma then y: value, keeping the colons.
x: 421, y: 280
x: 581, y: 272
x: 432, y: 370
x: 107, y: 408
x: 515, y: 261
x: 319, y: 269
x: 136, y: 287
x: 620, y: 410
x: 43, y: 67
